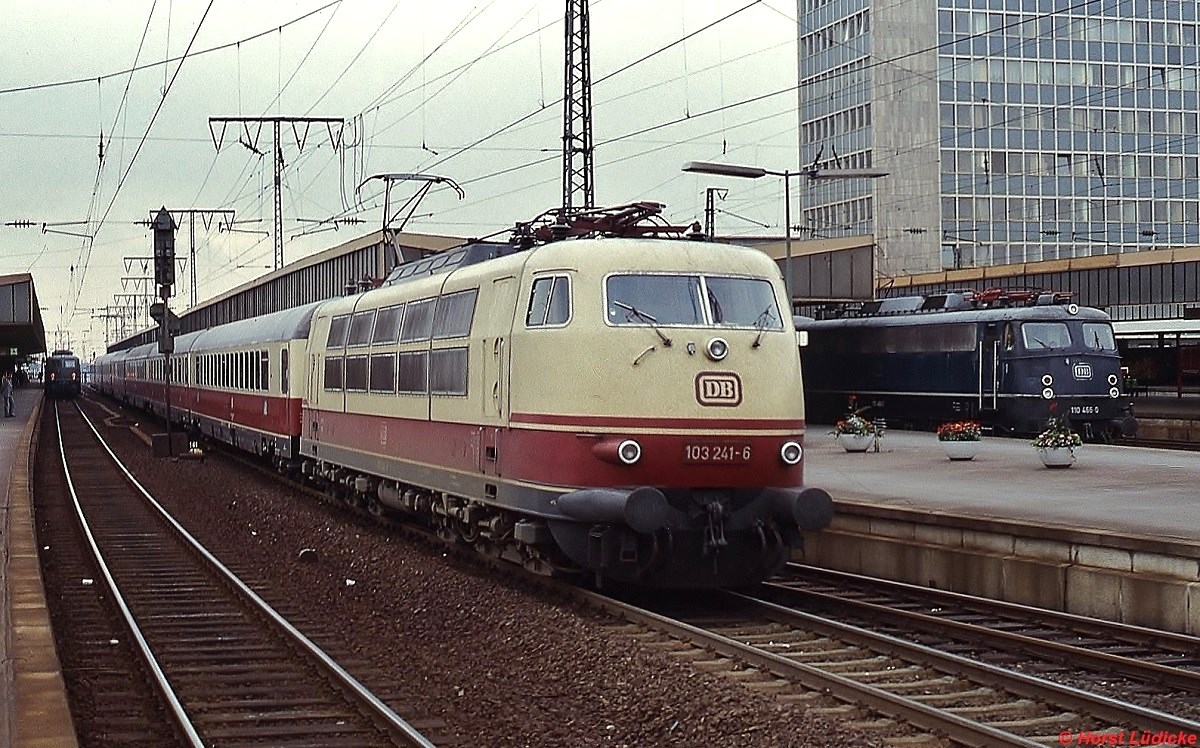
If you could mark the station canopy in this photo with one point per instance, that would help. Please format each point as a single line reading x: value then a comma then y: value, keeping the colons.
x: 21, y: 329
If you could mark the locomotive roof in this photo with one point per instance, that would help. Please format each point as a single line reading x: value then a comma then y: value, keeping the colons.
x: 1051, y: 312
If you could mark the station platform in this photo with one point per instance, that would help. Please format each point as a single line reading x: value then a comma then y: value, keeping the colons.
x: 1110, y: 488
x: 34, y: 709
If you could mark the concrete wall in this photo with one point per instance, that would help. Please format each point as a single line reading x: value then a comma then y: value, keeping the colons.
x: 1140, y: 581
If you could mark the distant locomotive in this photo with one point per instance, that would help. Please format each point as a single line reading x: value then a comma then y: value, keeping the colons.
x: 62, y: 376
x: 610, y: 406
x: 1010, y: 359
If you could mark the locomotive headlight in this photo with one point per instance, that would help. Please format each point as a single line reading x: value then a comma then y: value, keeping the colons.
x: 791, y: 453
x: 1114, y: 392
x: 1048, y: 393
x: 1047, y: 380
x: 1112, y: 378
x: 629, y: 451
x: 717, y: 349
x: 1072, y: 309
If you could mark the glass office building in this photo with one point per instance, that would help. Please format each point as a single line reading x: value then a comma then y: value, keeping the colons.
x: 1013, y: 130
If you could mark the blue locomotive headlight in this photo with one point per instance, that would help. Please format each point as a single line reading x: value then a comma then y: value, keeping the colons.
x: 629, y: 451
x: 1112, y: 378
x: 1047, y: 380
x: 791, y: 453
x: 717, y: 349
x: 1048, y: 393
x: 1114, y: 392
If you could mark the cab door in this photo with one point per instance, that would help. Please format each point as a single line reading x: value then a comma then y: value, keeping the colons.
x: 989, y: 367
x: 495, y: 320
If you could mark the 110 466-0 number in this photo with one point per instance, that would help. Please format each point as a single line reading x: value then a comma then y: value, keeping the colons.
x: 702, y: 453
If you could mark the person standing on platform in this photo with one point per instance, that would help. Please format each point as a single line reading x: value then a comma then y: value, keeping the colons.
x: 6, y: 390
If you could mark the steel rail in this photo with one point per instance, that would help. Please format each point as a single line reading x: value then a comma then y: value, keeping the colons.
x: 1168, y: 642
x: 1102, y: 707
x: 182, y: 720
x: 959, y: 729
x: 399, y: 730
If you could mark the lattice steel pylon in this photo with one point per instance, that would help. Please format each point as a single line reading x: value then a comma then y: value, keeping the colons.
x: 578, y: 192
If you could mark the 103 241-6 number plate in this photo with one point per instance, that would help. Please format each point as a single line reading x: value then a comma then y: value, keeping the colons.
x: 719, y: 453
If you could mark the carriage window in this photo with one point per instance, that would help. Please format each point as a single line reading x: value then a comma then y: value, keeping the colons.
x: 283, y: 371
x: 743, y: 302
x: 1045, y: 335
x: 356, y: 373
x: 550, y: 302
x: 264, y: 370
x: 654, y: 299
x: 337, y: 332
x: 387, y: 325
x: 1098, y: 336
x: 452, y: 317
x: 448, y: 372
x: 360, y: 328
x: 418, y: 321
x: 383, y: 373
x: 333, y: 373
x: 412, y: 373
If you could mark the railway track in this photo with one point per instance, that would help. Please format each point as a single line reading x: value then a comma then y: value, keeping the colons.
x: 226, y: 668
x: 1147, y: 665
x: 882, y: 680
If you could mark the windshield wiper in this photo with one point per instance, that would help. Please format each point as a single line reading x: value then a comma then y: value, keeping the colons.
x: 761, y: 325
x: 633, y: 311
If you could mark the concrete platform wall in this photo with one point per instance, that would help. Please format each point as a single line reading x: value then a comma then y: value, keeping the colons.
x: 1141, y: 581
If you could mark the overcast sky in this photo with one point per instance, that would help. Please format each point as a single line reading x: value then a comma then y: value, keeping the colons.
x: 418, y: 84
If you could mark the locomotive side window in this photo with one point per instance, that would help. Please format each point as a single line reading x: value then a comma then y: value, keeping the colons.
x: 742, y: 302
x: 1098, y: 336
x: 654, y: 299
x: 453, y: 315
x: 356, y: 373
x: 550, y: 302
x: 337, y: 332
x: 412, y: 373
x: 387, y: 325
x: 333, y: 373
x: 360, y: 328
x: 448, y: 372
x: 1045, y: 335
x: 418, y: 321
x: 383, y: 373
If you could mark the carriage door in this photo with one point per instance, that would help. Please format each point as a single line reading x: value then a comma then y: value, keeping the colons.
x: 989, y: 368
x: 495, y: 319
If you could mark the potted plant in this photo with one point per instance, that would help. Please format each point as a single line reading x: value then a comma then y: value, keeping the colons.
x: 855, y: 433
x: 1057, y: 444
x: 960, y: 439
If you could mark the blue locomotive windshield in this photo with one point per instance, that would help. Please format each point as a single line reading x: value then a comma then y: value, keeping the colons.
x: 1045, y: 335
x: 692, y: 300
x: 1098, y: 336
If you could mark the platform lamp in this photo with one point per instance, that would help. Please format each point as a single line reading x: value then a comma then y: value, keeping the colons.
x: 755, y: 172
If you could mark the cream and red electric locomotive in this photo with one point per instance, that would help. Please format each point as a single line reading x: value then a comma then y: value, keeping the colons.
x: 624, y: 407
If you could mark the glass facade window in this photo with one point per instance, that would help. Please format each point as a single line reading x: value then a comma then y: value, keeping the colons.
x: 1060, y: 130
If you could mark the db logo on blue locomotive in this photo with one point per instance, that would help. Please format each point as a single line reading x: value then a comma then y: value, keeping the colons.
x: 1082, y: 371
x: 718, y: 388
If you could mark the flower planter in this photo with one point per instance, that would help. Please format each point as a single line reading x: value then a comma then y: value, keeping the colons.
x: 1058, y: 457
x: 961, y: 450
x: 856, y: 442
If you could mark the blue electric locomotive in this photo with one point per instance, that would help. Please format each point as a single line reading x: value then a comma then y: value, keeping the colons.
x: 1010, y: 360
x: 62, y: 375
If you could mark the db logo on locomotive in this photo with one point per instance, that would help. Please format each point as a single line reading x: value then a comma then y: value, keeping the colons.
x: 718, y: 388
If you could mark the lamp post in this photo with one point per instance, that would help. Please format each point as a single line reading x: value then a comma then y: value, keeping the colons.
x: 755, y: 172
